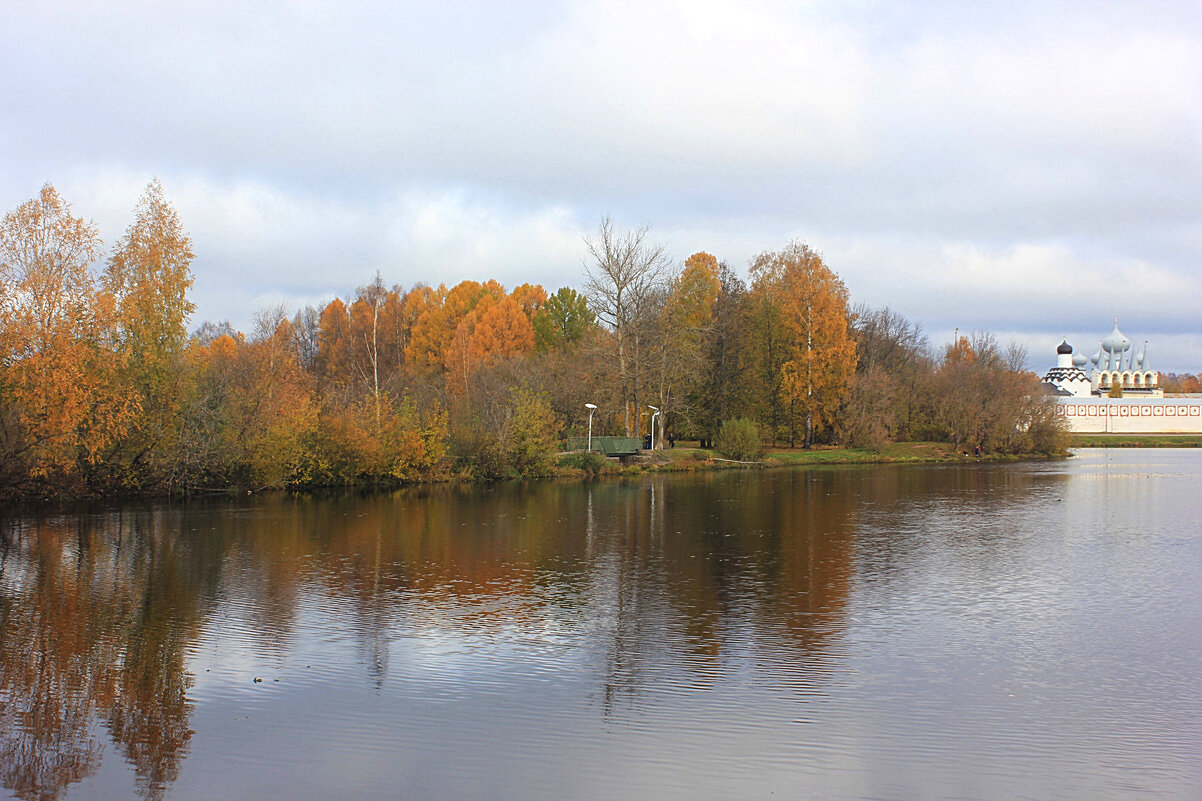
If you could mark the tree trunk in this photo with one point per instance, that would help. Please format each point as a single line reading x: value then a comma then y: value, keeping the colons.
x: 809, y: 380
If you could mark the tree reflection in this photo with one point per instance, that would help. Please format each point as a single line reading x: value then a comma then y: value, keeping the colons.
x: 94, y: 623
x: 644, y: 582
x: 52, y: 677
x: 695, y: 574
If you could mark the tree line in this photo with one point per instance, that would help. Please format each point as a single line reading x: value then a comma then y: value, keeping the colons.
x: 104, y: 391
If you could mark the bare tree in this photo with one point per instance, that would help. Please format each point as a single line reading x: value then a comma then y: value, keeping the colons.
x: 267, y: 321
x: 622, y: 278
x: 307, y: 330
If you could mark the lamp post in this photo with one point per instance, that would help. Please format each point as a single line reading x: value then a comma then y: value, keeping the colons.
x: 656, y: 410
x: 592, y: 407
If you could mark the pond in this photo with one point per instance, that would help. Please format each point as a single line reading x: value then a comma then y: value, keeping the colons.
x: 995, y: 631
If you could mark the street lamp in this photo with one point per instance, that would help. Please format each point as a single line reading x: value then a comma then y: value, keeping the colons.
x: 656, y: 409
x: 592, y: 407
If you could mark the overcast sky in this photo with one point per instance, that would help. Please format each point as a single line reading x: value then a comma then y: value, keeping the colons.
x: 1030, y: 169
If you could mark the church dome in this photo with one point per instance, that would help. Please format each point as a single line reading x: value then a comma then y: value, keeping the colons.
x: 1080, y: 360
x: 1116, y: 342
x: 1064, y: 348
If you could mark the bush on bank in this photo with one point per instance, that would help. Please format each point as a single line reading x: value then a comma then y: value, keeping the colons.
x: 739, y: 439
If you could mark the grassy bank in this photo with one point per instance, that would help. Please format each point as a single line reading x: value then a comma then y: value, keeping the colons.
x: 895, y: 452
x: 685, y: 459
x: 1135, y: 441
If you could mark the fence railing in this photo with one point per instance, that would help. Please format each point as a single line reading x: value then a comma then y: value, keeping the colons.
x: 610, y: 446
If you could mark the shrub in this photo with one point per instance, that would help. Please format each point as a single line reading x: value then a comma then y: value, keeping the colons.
x: 532, y: 434
x: 739, y: 439
x: 591, y: 463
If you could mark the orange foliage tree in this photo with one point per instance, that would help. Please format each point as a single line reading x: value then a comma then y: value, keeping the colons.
x: 334, y: 345
x: 530, y: 297
x: 436, y: 328
x: 497, y: 327
x: 818, y: 354
x: 60, y: 406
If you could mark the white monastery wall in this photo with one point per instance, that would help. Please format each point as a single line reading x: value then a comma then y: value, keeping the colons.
x: 1133, y: 415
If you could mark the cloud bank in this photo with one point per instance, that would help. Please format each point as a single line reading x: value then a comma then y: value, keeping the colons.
x: 1026, y: 168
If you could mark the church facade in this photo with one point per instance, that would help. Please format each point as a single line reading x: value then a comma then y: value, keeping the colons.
x: 1117, y: 392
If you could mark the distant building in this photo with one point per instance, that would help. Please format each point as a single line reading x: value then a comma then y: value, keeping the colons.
x: 1084, y: 396
x: 1115, y: 362
x: 1066, y: 379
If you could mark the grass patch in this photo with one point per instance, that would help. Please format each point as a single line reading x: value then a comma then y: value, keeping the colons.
x: 698, y: 458
x: 686, y: 459
x: 1135, y: 441
x: 894, y: 452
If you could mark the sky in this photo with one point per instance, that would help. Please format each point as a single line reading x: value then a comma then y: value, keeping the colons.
x: 1031, y: 169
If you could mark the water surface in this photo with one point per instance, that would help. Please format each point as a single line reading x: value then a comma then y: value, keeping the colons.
x: 889, y: 632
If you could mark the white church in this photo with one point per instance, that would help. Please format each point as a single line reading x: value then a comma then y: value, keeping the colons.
x: 1116, y: 362
x: 1083, y: 386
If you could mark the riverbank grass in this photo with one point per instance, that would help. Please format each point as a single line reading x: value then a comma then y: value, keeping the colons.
x: 1135, y: 440
x: 692, y: 458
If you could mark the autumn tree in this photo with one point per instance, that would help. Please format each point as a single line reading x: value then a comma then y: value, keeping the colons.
x: 622, y: 276
x: 252, y: 404
x: 59, y: 403
x: 894, y: 368
x: 531, y: 435
x: 984, y: 396
x: 503, y: 329
x: 415, y: 303
x: 869, y: 416
x: 818, y: 355
x: 148, y: 276
x: 335, y: 346
x: 496, y: 328
x: 366, y: 335
x: 769, y: 352
x: 530, y: 298
x: 433, y: 333
x: 679, y: 335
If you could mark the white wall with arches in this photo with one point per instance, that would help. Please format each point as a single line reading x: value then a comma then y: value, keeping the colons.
x: 1132, y: 415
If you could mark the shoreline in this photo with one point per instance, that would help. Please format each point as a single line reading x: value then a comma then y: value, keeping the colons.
x: 681, y: 459
x: 686, y: 459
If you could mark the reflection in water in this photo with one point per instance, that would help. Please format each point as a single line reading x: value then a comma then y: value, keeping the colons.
x: 749, y: 628
x: 100, y: 612
x: 95, y: 622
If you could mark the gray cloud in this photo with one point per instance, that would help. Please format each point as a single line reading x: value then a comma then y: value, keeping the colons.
x: 1020, y: 167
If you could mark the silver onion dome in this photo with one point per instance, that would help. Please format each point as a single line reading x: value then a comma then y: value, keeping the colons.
x: 1116, y: 342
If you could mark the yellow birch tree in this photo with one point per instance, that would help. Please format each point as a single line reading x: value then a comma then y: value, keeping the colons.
x: 148, y: 276
x: 819, y: 354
